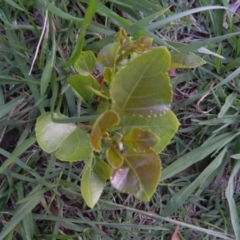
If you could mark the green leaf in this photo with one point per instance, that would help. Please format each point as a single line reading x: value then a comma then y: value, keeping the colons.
x: 50, y: 134
x: 108, y: 75
x: 107, y: 56
x: 91, y: 185
x: 102, y: 169
x: 139, y: 139
x: 114, y: 158
x: 103, y: 123
x: 143, y: 86
x: 79, y: 83
x: 85, y: 64
x: 138, y: 175
x: 101, y: 108
x: 69, y: 142
x: 75, y: 147
x: 102, y: 94
x: 186, y: 60
x: 164, y: 127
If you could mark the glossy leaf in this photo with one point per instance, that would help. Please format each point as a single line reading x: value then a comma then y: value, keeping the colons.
x: 138, y: 175
x: 164, y: 127
x: 107, y: 56
x: 186, y: 60
x: 114, y: 158
x: 91, y: 185
x: 139, y: 139
x: 75, y: 147
x: 79, y: 83
x: 85, y: 64
x: 106, y: 121
x: 143, y: 87
x: 69, y: 142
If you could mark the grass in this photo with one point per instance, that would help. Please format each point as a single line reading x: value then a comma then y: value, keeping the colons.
x: 199, y: 189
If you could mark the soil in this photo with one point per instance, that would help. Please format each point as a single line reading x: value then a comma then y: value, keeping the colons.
x: 9, y: 141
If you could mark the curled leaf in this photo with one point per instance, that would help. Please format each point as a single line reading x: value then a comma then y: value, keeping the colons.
x: 107, y: 120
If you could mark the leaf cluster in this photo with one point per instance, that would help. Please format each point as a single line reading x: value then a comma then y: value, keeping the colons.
x: 128, y: 87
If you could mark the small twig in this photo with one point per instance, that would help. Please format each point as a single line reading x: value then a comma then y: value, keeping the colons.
x: 85, y: 126
x: 202, y: 98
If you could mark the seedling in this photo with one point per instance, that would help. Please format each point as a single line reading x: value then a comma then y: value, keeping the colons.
x: 128, y: 87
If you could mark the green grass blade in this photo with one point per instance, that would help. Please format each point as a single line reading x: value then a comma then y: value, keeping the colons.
x: 37, y: 32
x: 47, y: 72
x: 92, y: 223
x: 26, y: 225
x: 165, y: 21
x: 228, y: 103
x: 166, y: 219
x: 10, y: 106
x: 180, y: 197
x: 196, y: 45
x: 197, y: 154
x: 20, y: 61
x: 22, y: 211
x: 2, y: 100
x: 228, y: 78
x: 46, y: 76
x: 232, y: 204
x: 17, y: 152
x: 92, y: 6
x: 8, y: 80
x: 14, y: 5
x: 94, y: 26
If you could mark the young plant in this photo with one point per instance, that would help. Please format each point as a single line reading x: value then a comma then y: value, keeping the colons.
x: 131, y: 93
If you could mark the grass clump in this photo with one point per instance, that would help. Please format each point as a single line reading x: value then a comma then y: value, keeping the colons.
x: 199, y: 188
